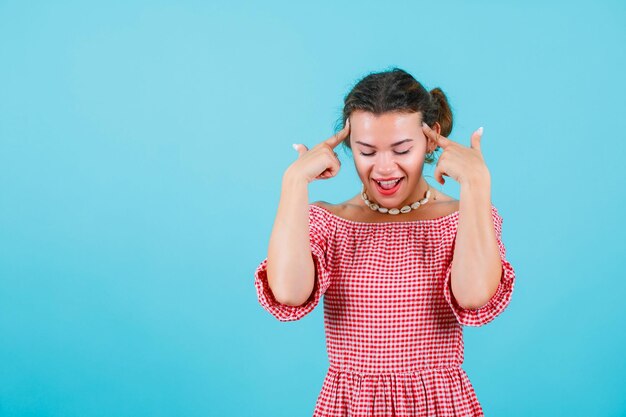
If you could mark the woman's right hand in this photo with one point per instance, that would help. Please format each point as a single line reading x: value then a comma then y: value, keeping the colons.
x: 319, y: 162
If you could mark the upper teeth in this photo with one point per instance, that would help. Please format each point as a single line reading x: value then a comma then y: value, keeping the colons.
x: 389, y: 182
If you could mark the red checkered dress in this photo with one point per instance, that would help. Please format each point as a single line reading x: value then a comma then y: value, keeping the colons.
x: 394, y: 331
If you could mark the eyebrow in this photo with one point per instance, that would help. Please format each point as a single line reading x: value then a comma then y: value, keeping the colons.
x: 392, y: 145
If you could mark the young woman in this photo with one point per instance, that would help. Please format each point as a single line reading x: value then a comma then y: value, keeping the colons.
x: 402, y: 266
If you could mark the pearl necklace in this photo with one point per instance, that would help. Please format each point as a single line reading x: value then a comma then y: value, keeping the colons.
x: 404, y: 209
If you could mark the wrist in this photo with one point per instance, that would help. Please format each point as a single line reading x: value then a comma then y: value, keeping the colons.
x: 482, y: 180
x: 290, y: 179
x: 476, y: 188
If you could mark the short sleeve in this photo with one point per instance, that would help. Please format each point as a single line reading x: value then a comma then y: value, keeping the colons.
x: 320, y: 228
x: 499, y: 301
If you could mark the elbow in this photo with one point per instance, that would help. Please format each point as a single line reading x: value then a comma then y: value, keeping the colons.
x: 477, y: 300
x: 284, y: 292
x: 481, y: 292
x: 475, y: 305
x: 481, y: 299
x: 290, y: 300
x: 289, y: 285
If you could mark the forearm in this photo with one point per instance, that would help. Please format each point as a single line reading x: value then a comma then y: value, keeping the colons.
x: 476, y: 265
x: 290, y: 268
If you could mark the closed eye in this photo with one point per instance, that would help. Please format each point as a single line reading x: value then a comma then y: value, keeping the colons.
x: 397, y: 153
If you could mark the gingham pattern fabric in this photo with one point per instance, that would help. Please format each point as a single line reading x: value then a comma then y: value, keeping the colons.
x: 394, y: 332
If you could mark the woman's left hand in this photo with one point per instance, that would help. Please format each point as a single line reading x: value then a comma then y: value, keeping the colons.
x: 462, y: 163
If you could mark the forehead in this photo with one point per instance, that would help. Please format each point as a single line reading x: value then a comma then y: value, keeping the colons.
x: 386, y: 128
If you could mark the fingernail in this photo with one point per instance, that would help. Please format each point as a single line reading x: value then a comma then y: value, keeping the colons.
x: 480, y: 130
x: 424, y: 124
x: 295, y: 146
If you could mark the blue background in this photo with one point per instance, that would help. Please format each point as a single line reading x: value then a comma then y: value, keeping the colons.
x: 142, y: 146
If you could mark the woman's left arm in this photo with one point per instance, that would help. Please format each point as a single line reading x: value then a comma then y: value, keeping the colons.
x: 476, y: 263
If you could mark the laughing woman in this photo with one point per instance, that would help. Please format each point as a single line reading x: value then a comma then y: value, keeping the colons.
x: 402, y: 266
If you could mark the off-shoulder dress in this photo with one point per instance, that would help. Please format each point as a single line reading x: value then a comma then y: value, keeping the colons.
x: 394, y: 334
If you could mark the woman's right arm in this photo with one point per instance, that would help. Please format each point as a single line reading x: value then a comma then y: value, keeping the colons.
x: 290, y: 268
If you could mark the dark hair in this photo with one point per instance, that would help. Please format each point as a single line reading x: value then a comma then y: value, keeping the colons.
x: 396, y: 90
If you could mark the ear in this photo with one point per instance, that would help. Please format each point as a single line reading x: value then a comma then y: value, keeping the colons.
x: 432, y: 145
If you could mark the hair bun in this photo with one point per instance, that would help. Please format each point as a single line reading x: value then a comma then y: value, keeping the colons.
x: 444, y: 113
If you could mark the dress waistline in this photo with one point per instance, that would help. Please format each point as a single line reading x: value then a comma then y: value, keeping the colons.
x: 336, y: 370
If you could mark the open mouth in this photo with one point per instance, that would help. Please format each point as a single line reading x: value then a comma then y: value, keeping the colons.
x: 388, y: 187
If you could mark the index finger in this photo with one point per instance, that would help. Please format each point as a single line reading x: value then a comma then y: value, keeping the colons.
x: 340, y: 136
x: 440, y: 140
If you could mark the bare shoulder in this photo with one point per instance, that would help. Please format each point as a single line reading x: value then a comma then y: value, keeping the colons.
x: 320, y: 203
x: 326, y: 205
x: 336, y: 209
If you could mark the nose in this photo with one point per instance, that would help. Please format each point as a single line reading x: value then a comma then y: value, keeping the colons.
x: 386, y: 164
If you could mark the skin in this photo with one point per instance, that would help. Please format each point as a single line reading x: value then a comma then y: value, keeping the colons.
x: 476, y: 265
x: 384, y: 161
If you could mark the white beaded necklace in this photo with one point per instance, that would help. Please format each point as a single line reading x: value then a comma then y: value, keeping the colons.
x: 404, y: 209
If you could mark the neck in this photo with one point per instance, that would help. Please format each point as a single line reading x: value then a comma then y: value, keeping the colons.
x: 419, y: 193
